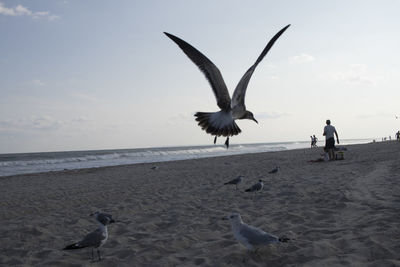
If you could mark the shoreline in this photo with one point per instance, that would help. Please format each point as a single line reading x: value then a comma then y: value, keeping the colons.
x: 337, y: 213
x: 168, y: 160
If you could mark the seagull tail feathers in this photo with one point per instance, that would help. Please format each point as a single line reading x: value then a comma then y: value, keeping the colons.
x: 73, y: 246
x: 217, y: 123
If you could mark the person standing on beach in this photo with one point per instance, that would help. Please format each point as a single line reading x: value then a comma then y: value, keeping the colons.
x: 315, y: 139
x: 398, y: 136
x: 329, y: 131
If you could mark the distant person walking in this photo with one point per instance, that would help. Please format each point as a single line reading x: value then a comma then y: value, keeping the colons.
x: 329, y: 132
x: 398, y: 135
x: 315, y: 140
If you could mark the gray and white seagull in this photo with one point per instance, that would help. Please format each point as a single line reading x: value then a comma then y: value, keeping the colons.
x: 235, y: 181
x: 256, y: 187
x: 98, y: 237
x: 249, y: 236
x: 222, y: 123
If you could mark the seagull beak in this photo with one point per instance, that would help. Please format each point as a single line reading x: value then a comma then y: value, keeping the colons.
x: 255, y: 120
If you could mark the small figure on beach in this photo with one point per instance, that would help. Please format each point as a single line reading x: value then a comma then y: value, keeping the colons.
x: 256, y: 187
x: 249, y: 236
x: 222, y: 123
x: 398, y: 135
x: 98, y: 237
x: 235, y: 181
x: 329, y: 132
x: 314, y: 141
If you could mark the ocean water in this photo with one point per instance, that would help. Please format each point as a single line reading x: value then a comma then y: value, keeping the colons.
x: 20, y: 163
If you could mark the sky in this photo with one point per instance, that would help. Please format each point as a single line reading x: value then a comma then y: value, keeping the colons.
x: 86, y: 75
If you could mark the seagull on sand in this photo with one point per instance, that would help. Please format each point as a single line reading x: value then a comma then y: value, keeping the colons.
x: 235, y: 181
x: 256, y: 187
x: 275, y: 170
x: 98, y: 237
x: 222, y: 123
x: 249, y: 236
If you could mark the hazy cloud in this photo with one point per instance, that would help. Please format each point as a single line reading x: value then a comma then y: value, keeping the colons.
x: 38, y: 123
x: 32, y: 123
x: 376, y: 115
x: 270, y: 115
x: 273, y: 77
x: 85, y: 97
x: 302, y: 58
x: 356, y: 73
x: 180, y: 118
x: 20, y: 10
x: 38, y: 83
x: 81, y: 119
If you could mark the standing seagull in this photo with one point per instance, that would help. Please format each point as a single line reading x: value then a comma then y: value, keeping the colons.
x: 98, y: 237
x: 275, y: 170
x: 250, y: 236
x: 235, y: 181
x: 256, y: 187
x: 223, y: 122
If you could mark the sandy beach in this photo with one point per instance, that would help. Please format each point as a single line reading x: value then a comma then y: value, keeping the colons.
x: 340, y: 213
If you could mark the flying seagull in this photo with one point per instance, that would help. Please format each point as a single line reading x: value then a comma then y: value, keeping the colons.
x: 250, y: 236
x: 98, y: 237
x: 222, y: 123
x: 256, y: 187
x: 235, y: 181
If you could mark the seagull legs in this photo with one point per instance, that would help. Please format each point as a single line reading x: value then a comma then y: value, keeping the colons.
x: 227, y: 142
x: 98, y: 253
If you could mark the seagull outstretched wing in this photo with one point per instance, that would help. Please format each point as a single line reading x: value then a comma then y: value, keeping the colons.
x: 209, y: 69
x: 240, y: 91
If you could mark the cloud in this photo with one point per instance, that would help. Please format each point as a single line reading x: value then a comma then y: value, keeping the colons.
x: 356, y: 73
x: 270, y: 115
x: 376, y: 115
x: 179, y: 119
x: 81, y: 119
x: 40, y: 123
x: 20, y: 10
x: 35, y: 123
x: 38, y: 83
x: 46, y: 123
x: 272, y: 77
x: 302, y: 58
x: 85, y: 97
